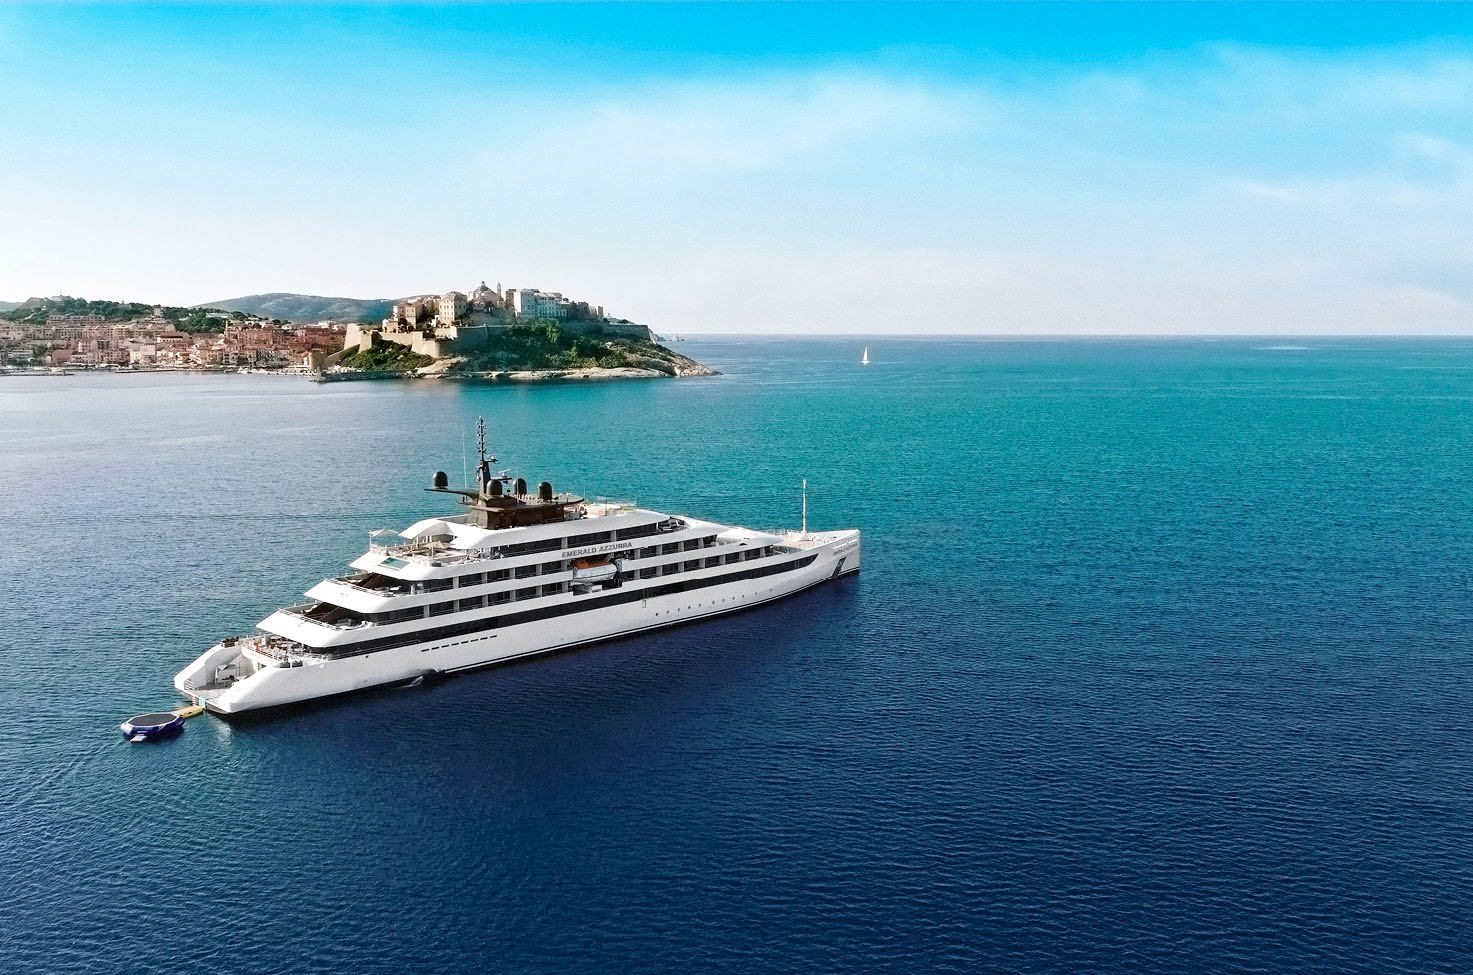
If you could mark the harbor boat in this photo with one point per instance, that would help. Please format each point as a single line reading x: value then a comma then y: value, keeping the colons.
x: 155, y: 724
x: 865, y: 360
x: 518, y: 573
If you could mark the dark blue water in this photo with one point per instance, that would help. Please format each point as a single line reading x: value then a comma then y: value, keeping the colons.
x: 1159, y: 662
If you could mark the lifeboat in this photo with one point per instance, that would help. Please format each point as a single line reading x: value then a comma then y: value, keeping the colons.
x: 155, y: 724
x: 594, y: 571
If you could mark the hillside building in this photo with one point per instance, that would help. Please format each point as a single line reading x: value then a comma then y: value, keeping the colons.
x: 451, y: 308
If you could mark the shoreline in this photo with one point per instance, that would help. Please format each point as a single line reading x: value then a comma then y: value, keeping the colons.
x: 526, y: 376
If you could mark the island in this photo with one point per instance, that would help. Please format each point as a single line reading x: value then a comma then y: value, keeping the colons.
x: 489, y: 335
x: 516, y: 335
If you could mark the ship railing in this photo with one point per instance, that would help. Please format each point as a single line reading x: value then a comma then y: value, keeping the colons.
x: 454, y: 556
x: 302, y: 612
x: 388, y: 541
x: 433, y: 552
x: 603, y: 507
x: 376, y: 541
x: 287, y: 652
x: 400, y: 590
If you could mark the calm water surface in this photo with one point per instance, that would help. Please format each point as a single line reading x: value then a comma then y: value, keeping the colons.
x: 1159, y: 662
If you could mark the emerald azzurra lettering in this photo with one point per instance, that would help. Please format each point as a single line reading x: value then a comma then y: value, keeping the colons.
x: 574, y: 553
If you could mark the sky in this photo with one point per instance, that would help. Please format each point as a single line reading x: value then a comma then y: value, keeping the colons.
x: 789, y: 168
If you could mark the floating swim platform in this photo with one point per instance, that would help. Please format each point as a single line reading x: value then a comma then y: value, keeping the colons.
x: 158, y: 724
x: 154, y: 724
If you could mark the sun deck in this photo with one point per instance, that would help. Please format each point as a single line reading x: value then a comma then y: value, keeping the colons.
x: 440, y: 542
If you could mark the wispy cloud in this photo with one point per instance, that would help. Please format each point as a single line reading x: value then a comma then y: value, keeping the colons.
x: 790, y: 119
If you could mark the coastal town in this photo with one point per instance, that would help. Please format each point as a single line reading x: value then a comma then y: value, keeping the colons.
x: 151, y: 342
x: 422, y: 334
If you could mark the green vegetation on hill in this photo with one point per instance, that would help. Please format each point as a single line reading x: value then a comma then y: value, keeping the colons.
x: 543, y: 344
x: 35, y: 312
x: 199, y: 319
x: 387, y: 355
x: 308, y: 308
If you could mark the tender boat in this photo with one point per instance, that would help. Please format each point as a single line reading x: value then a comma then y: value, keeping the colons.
x: 589, y: 571
x: 155, y: 724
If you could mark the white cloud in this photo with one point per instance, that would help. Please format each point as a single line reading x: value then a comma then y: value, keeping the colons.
x: 693, y: 127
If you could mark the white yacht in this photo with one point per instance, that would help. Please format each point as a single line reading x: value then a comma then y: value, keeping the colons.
x: 516, y: 574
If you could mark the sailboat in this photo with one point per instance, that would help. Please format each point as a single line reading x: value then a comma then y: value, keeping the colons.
x: 865, y: 360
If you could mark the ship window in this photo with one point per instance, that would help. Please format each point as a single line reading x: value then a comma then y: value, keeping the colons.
x: 530, y: 548
x: 669, y: 569
x: 474, y: 579
x: 752, y: 553
x: 500, y: 575
x: 398, y: 615
x: 440, y: 609
x: 691, y: 544
x: 592, y: 538
x: 526, y: 571
x: 474, y: 602
x: 734, y: 557
x: 713, y: 562
x: 436, y: 585
x: 638, y: 531
x: 649, y: 553
x: 528, y: 593
x: 501, y: 597
x: 555, y: 589
x: 548, y: 568
x: 649, y: 573
x: 693, y: 565
x: 670, y: 548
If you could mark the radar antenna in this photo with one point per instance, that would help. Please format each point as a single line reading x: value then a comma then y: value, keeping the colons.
x: 484, y: 462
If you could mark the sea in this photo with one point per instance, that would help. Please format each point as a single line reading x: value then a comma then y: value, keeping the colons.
x: 1161, y: 660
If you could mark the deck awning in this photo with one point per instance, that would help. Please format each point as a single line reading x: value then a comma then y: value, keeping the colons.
x: 430, y: 526
x: 746, y: 536
x: 469, y: 536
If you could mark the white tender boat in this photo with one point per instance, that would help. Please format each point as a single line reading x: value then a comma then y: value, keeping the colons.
x: 517, y: 574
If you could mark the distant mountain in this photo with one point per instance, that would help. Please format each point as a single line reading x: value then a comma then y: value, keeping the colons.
x: 307, y: 308
x: 9, y: 305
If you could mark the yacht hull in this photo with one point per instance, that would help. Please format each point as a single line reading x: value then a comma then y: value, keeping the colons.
x: 268, y: 686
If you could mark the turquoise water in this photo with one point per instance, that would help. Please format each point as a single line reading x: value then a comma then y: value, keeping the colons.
x: 1159, y: 662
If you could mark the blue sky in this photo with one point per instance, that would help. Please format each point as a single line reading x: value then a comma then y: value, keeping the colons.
x: 999, y: 168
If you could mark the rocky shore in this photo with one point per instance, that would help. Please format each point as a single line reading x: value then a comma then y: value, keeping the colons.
x: 672, y: 365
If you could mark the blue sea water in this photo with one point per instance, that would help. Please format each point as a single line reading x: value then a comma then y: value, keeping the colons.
x: 1161, y: 661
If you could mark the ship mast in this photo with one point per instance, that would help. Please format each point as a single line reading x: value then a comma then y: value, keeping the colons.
x: 483, y: 464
